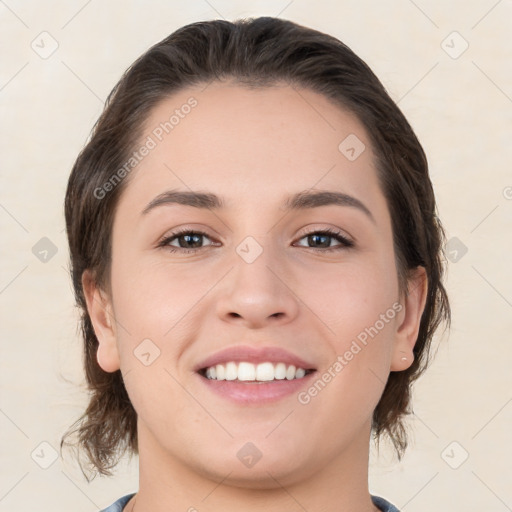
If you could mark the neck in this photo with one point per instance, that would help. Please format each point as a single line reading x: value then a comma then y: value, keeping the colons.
x: 167, y: 484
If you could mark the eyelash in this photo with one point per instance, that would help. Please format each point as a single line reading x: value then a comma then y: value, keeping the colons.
x: 345, y: 243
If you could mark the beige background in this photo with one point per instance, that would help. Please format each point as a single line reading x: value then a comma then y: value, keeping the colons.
x: 460, y: 105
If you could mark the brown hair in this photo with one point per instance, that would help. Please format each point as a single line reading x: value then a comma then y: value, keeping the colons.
x: 255, y: 52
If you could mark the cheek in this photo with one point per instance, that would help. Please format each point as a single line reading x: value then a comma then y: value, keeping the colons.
x: 358, y: 306
x: 152, y: 307
x: 153, y: 300
x: 352, y: 297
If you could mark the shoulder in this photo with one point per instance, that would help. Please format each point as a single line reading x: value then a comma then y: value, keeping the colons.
x: 119, y: 504
x: 383, y: 505
x: 379, y: 502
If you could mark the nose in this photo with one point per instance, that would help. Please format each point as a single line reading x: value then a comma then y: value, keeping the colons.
x: 258, y: 294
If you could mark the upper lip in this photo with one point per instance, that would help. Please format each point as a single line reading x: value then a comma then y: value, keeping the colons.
x: 254, y: 355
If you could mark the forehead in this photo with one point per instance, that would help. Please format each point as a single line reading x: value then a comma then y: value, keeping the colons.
x: 247, y: 143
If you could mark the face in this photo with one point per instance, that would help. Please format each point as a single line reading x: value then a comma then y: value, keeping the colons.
x: 280, y: 279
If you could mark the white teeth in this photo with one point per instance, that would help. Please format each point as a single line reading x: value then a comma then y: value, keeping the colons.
x: 290, y: 373
x: 246, y: 371
x: 263, y: 372
x: 220, y: 371
x: 231, y: 371
x: 280, y: 371
x: 300, y: 373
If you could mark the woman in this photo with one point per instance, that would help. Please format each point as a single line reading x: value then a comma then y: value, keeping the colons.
x: 256, y: 252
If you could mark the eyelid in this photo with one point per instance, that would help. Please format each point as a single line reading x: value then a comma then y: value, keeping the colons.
x: 176, y: 233
x: 188, y: 228
x: 332, y: 230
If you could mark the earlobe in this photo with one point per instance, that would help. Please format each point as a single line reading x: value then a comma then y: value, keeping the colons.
x: 100, y: 312
x: 407, y: 332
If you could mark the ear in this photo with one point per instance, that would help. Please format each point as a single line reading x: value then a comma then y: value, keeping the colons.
x: 99, y: 307
x: 407, y: 332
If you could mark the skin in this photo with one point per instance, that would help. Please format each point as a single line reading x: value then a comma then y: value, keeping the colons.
x: 253, y: 148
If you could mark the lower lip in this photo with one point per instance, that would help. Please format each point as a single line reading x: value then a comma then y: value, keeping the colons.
x: 256, y: 392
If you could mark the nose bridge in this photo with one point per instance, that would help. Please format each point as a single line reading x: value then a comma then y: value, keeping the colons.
x: 256, y: 293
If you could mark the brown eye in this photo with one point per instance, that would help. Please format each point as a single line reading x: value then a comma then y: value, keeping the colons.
x: 323, y: 239
x: 186, y: 241
x: 189, y: 240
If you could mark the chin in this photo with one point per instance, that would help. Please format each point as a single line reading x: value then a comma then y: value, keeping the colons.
x: 250, y: 468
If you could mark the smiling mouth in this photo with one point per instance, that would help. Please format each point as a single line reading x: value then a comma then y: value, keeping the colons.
x: 248, y: 372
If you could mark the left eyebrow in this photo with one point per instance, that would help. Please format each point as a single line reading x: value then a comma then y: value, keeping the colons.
x: 299, y: 201
x: 315, y: 199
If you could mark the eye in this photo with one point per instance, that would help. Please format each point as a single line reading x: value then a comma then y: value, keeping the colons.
x: 322, y: 240
x: 188, y: 241
x: 184, y: 241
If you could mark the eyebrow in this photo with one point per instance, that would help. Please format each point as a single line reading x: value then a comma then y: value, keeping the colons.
x: 299, y: 201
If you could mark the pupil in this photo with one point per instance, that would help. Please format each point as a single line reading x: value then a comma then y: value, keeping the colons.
x: 188, y: 239
x: 314, y: 239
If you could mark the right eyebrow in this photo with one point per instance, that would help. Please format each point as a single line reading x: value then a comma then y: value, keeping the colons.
x: 187, y: 198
